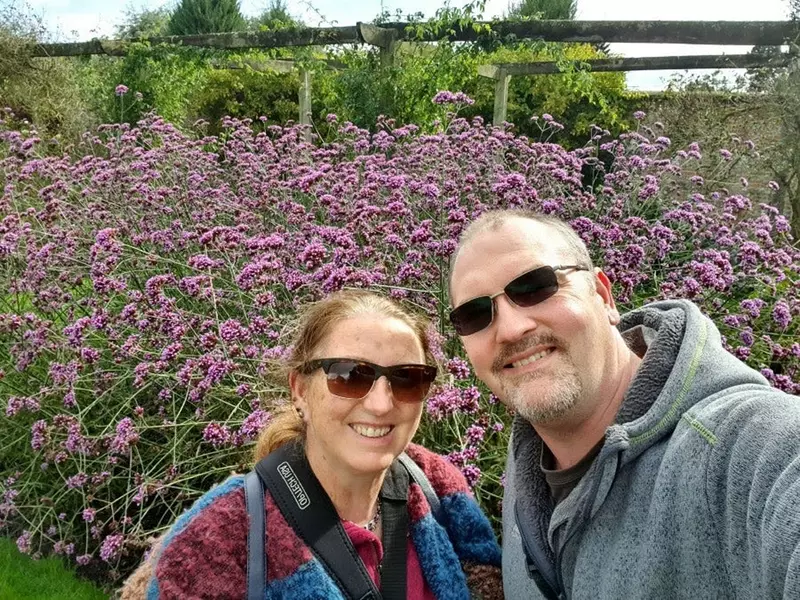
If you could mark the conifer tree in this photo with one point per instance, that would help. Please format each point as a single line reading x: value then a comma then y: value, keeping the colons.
x: 206, y: 16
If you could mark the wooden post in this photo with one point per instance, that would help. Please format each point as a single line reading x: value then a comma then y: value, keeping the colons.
x: 387, y: 53
x: 304, y: 100
x: 383, y: 38
x: 500, y: 97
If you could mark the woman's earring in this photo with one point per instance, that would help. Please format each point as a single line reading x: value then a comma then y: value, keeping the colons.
x: 299, y: 413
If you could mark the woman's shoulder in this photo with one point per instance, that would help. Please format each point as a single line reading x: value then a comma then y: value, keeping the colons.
x: 207, y: 540
x: 225, y: 502
x: 466, y: 526
x: 445, y: 477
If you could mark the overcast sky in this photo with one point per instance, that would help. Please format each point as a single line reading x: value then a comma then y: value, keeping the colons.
x: 84, y: 19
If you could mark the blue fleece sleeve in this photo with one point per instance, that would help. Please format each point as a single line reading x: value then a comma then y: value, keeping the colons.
x: 753, y: 489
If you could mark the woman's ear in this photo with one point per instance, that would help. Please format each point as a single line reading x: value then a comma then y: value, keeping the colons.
x: 298, y: 384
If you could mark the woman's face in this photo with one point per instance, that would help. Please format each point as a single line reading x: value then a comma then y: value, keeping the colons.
x: 346, y: 437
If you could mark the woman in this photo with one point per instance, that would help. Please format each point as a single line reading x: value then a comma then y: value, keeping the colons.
x: 359, y: 371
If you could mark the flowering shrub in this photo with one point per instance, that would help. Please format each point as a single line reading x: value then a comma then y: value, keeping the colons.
x: 149, y: 277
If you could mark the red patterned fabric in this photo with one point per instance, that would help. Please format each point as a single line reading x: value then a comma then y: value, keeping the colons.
x: 208, y: 575
x: 370, y: 549
x: 444, y: 478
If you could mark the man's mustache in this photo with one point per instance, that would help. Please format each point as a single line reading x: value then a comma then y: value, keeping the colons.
x: 510, y: 350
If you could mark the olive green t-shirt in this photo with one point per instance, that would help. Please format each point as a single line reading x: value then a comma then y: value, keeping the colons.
x: 563, y: 481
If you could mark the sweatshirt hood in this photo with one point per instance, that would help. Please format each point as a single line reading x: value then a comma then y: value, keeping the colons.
x: 684, y: 364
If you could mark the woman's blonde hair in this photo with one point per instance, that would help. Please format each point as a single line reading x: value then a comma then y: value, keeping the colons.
x: 315, y: 323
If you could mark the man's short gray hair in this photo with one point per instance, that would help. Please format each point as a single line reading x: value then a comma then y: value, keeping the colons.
x: 494, y: 219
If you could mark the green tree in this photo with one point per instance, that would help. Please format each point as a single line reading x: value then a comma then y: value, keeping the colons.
x: 143, y: 23
x: 785, y: 150
x: 780, y: 88
x: 544, y: 9
x: 276, y: 16
x: 206, y: 16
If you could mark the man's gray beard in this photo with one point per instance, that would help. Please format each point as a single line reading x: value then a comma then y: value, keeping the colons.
x: 550, y: 405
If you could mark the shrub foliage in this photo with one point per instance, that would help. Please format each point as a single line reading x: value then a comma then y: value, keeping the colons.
x: 149, y: 276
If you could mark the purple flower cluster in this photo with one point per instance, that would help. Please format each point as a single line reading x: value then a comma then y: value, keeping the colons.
x: 253, y: 424
x: 39, y: 435
x: 216, y: 434
x: 126, y: 436
x: 451, y: 400
x: 111, y: 547
x: 445, y: 97
x: 458, y: 368
x: 24, y: 542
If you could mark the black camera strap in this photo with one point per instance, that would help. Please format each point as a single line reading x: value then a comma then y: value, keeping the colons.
x: 310, y: 512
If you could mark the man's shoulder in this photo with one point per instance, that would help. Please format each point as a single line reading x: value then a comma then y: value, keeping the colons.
x: 740, y: 404
x: 748, y: 420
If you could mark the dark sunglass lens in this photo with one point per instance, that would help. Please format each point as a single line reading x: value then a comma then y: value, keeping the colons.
x: 472, y: 316
x: 411, y: 384
x: 532, y: 287
x: 350, y: 379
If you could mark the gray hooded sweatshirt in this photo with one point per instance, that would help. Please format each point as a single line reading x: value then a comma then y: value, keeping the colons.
x: 694, y: 494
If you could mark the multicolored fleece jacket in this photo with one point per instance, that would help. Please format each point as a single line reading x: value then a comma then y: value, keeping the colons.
x: 204, y: 555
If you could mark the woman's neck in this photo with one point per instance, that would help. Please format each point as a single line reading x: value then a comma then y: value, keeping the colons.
x: 355, y: 497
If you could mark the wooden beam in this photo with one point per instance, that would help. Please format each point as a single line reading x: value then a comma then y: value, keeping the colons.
x: 307, y: 36
x: 95, y: 46
x: 491, y: 71
x: 385, y: 39
x: 769, y: 33
x: 278, y: 65
x: 377, y: 36
x: 647, y: 63
x: 773, y: 33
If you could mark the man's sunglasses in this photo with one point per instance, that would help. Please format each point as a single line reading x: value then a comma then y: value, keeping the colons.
x: 355, y: 379
x: 526, y: 290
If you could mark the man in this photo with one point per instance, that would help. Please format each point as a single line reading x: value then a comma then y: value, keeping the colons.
x: 645, y: 460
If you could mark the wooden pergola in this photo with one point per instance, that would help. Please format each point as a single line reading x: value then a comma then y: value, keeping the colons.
x: 388, y: 35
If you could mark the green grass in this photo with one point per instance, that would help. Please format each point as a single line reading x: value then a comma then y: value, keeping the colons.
x: 22, y: 578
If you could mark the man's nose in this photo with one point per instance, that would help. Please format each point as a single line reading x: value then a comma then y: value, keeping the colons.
x: 512, y: 322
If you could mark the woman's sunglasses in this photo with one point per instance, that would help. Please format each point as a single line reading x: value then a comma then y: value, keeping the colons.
x: 355, y: 379
x: 526, y: 290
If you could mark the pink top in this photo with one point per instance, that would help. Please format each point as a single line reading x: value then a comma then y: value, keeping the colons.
x: 370, y: 549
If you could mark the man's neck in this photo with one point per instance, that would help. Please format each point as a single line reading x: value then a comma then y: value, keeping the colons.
x: 571, y: 440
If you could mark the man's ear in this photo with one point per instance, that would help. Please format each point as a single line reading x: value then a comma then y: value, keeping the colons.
x: 298, y: 384
x: 603, y: 288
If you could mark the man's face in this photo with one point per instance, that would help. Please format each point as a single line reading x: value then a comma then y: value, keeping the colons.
x: 547, y: 361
